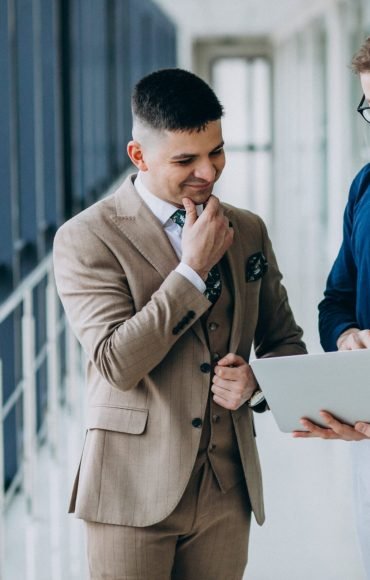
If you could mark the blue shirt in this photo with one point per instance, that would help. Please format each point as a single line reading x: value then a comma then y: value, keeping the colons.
x: 347, y: 295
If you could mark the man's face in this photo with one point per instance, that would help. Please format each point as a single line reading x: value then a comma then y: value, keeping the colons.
x: 365, y: 83
x: 181, y: 164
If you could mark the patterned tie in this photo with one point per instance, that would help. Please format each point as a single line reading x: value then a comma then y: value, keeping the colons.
x: 213, y: 282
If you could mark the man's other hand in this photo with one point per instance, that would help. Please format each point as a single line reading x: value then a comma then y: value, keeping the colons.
x: 233, y: 382
x: 354, y: 339
x: 334, y: 430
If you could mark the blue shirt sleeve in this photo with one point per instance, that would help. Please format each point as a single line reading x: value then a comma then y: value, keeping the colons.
x: 337, y: 311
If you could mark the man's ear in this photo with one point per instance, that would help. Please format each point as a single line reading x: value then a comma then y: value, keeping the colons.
x: 135, y: 153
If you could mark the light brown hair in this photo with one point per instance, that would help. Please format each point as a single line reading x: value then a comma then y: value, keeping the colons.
x: 361, y: 60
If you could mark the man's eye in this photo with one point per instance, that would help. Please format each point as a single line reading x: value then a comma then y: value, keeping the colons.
x: 184, y: 161
x: 218, y: 151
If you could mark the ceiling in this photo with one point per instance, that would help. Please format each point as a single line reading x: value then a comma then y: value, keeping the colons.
x: 203, y: 18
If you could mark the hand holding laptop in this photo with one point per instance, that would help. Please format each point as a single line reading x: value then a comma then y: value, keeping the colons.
x: 334, y: 430
x: 299, y: 388
x: 351, y: 339
x: 354, y: 339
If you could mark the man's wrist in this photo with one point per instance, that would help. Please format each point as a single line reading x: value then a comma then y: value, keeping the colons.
x: 191, y: 275
x: 202, y: 272
x: 257, y: 402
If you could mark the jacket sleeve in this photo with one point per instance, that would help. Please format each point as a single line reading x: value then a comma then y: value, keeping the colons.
x: 337, y: 311
x: 277, y: 333
x: 124, y: 345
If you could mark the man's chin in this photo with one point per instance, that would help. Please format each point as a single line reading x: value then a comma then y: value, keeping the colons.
x: 200, y: 197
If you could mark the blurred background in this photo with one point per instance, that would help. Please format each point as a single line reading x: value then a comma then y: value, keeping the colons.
x: 293, y: 142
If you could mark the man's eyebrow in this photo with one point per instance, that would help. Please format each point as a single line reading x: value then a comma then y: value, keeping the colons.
x: 183, y: 156
x: 190, y: 155
x: 219, y: 146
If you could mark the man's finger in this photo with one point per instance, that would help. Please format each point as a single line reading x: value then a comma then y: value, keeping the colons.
x: 363, y: 428
x: 212, y: 206
x: 221, y: 384
x: 231, y: 359
x: 223, y: 403
x: 342, y: 429
x: 331, y: 421
x: 365, y: 338
x: 314, y: 430
x: 191, y: 212
x: 230, y: 373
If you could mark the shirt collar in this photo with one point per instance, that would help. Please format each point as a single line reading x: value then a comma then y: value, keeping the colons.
x: 162, y: 209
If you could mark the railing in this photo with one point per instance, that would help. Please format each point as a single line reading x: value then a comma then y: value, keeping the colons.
x: 59, y: 435
x: 59, y: 401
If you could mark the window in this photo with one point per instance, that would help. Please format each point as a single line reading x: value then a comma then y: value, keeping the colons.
x: 243, y: 86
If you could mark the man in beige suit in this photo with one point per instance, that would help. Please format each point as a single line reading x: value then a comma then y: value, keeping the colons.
x: 166, y: 289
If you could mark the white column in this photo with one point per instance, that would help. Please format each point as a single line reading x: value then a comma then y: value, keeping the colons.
x: 339, y: 135
x: 29, y: 444
x: 53, y: 431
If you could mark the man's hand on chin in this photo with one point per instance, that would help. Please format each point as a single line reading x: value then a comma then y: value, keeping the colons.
x: 233, y: 382
x: 205, y: 239
x: 334, y: 430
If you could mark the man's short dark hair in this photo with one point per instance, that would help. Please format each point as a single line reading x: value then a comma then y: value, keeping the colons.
x: 175, y: 100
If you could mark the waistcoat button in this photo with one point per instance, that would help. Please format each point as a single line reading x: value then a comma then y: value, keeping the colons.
x: 205, y: 368
x: 197, y: 422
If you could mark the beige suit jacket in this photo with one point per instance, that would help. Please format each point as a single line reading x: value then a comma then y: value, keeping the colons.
x: 139, y: 323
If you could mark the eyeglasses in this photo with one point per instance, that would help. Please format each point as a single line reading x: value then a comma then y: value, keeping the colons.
x: 364, y: 111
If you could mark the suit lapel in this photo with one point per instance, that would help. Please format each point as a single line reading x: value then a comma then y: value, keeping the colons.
x: 234, y: 256
x: 143, y: 229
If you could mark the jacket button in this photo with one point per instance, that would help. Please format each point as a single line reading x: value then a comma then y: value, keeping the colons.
x: 205, y: 368
x: 197, y: 422
x: 216, y: 357
x: 191, y: 314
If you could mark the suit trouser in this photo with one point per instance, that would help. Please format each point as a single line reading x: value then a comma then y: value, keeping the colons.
x: 361, y: 480
x: 204, y: 538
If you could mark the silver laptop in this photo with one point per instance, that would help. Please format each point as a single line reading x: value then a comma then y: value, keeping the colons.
x: 301, y: 386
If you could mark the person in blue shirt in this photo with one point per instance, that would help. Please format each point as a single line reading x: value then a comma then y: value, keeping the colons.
x: 344, y: 315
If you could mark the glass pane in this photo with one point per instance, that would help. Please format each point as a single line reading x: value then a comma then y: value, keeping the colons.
x: 41, y: 395
x: 260, y: 86
x: 261, y: 165
x: 233, y: 185
x: 230, y: 82
x: 244, y: 88
x: 10, y: 447
x: 39, y: 305
x: 7, y: 356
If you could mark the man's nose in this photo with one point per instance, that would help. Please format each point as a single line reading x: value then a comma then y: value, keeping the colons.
x: 205, y: 171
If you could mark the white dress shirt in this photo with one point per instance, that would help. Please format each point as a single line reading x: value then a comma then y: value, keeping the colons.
x: 163, y: 210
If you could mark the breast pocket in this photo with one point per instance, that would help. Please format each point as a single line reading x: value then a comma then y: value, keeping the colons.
x: 122, y: 419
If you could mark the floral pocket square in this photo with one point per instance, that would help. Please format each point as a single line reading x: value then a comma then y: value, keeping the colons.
x: 256, y: 267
